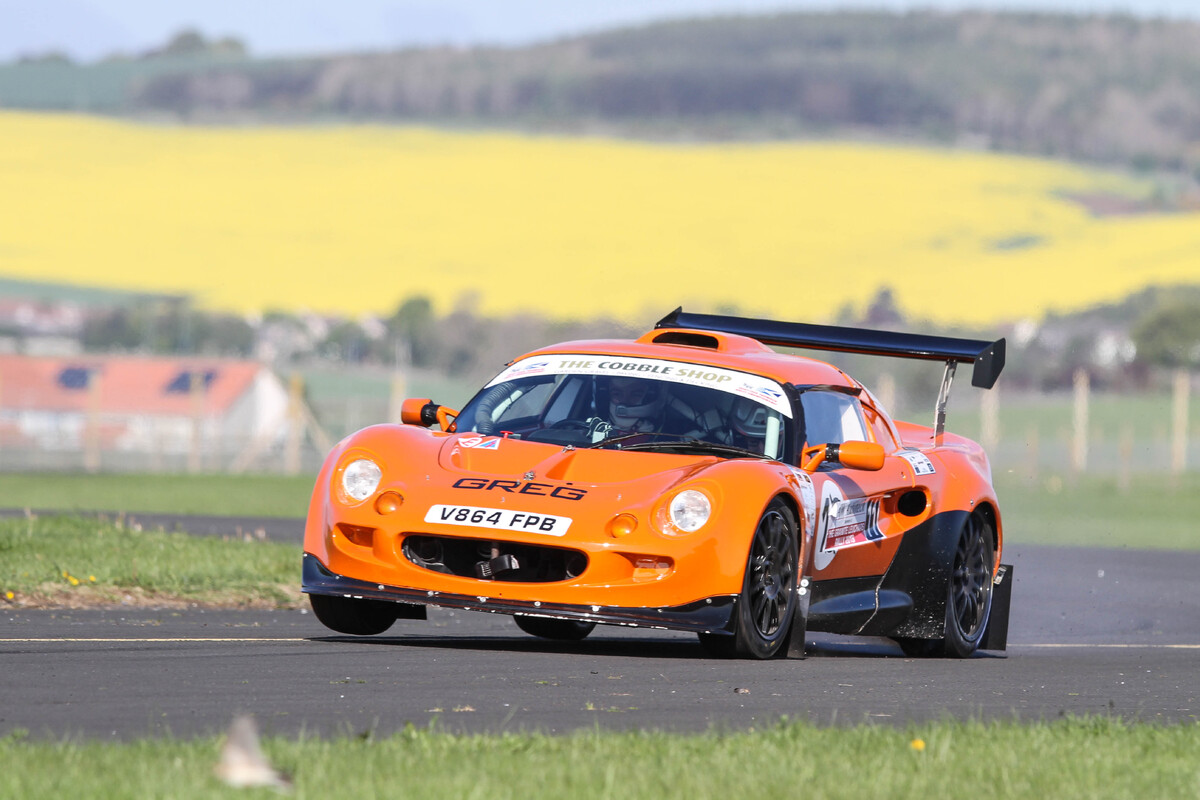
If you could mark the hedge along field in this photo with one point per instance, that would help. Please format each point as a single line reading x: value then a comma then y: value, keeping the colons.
x: 353, y: 219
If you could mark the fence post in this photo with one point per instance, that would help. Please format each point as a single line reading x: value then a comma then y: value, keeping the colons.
x: 196, y: 392
x: 1079, y: 452
x: 1033, y: 454
x: 396, y: 399
x: 989, y: 424
x: 1179, y: 422
x: 296, y: 424
x: 91, y: 423
x: 1125, y: 459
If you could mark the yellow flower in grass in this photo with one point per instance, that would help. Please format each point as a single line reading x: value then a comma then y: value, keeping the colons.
x: 918, y: 745
x: 9, y: 596
x: 91, y: 578
x: 71, y: 579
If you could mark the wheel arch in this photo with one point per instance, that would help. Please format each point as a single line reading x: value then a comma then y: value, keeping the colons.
x: 991, y: 516
x: 920, y: 570
x: 803, y: 537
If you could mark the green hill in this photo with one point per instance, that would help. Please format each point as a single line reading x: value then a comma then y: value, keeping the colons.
x: 1100, y: 88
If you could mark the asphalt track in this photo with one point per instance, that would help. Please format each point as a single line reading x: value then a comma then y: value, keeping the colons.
x: 1108, y: 632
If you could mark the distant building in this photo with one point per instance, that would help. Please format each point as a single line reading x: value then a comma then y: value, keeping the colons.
x: 197, y: 407
x: 37, y: 327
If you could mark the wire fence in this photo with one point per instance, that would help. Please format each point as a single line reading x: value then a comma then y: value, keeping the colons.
x: 1031, y: 436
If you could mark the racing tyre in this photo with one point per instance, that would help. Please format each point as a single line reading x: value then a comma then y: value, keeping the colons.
x: 968, y: 595
x: 563, y: 630
x: 767, y: 604
x: 353, y: 616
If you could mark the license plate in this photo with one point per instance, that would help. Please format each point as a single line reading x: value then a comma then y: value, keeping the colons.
x: 499, y: 519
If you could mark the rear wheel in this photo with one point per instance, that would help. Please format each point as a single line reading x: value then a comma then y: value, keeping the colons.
x: 968, y: 595
x: 356, y: 616
x: 564, y: 630
x: 767, y: 604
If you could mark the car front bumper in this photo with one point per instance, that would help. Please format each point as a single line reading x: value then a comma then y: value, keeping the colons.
x: 710, y: 615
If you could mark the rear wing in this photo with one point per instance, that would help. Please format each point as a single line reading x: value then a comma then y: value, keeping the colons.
x: 986, y: 357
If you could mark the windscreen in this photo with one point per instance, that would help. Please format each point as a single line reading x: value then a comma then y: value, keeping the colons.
x: 633, y: 403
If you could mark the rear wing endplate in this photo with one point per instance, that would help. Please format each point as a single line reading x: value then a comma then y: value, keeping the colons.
x: 987, y: 357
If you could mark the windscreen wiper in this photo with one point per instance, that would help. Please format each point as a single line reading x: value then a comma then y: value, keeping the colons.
x: 676, y: 440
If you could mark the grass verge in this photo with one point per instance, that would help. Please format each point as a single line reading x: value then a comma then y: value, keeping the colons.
x: 1155, y: 512
x: 1092, y: 758
x: 69, y: 561
x: 74, y: 562
x: 218, y: 495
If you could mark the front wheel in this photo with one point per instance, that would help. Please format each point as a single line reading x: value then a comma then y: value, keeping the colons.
x: 359, y: 617
x: 767, y: 603
x: 563, y: 630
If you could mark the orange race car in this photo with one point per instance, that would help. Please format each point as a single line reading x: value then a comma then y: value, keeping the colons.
x: 693, y: 479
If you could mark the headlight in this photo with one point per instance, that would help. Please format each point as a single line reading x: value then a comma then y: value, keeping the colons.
x: 689, y: 510
x: 361, y: 478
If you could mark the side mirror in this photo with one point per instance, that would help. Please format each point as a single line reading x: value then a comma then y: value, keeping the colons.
x: 412, y: 411
x: 424, y: 412
x: 852, y: 455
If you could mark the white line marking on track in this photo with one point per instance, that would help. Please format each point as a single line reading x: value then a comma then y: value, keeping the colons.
x: 152, y: 639
x: 130, y: 640
x: 1117, y: 646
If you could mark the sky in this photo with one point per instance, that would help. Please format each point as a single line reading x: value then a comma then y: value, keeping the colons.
x: 91, y: 29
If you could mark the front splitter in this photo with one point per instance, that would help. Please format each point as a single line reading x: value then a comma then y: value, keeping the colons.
x: 710, y: 615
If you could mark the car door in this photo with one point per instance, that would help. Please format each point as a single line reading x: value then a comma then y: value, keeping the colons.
x: 854, y: 533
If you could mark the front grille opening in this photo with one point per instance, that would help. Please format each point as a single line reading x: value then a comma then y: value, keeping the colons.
x: 510, y: 562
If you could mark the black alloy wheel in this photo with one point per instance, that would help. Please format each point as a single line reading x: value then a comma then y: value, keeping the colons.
x: 968, y: 595
x: 969, y: 604
x: 767, y: 604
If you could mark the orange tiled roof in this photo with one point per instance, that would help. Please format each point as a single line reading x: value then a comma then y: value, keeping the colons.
x: 127, y: 384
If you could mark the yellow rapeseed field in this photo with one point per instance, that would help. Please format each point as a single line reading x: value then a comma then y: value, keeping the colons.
x: 354, y: 219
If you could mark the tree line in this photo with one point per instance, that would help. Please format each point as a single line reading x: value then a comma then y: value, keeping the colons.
x: 1121, y: 345
x: 1109, y: 88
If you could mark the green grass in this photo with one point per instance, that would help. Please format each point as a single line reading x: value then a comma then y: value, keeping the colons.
x: 219, y: 495
x: 1154, y: 512
x: 74, y: 561
x: 346, y: 399
x: 1130, y: 432
x: 1086, y: 758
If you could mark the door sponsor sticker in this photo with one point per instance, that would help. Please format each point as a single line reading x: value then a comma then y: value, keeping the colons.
x: 499, y: 519
x: 852, y: 522
x: 844, y: 523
